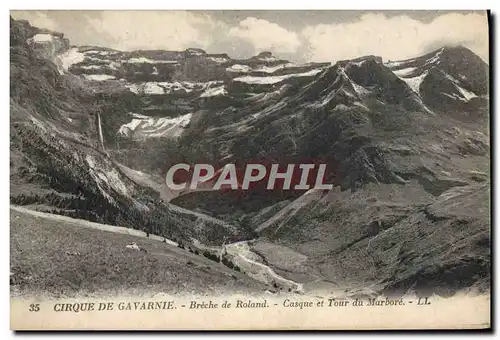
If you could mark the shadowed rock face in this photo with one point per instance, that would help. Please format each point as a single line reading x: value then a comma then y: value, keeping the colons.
x: 399, y: 138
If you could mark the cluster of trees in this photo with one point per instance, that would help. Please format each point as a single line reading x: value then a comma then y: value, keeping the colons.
x: 211, y: 256
x: 224, y: 260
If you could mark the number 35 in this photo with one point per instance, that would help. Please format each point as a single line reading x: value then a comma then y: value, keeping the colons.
x: 34, y: 307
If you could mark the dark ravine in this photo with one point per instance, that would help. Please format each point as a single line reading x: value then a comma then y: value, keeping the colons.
x: 93, y: 131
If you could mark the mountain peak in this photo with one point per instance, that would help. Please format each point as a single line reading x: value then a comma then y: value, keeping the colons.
x: 459, y: 52
x: 195, y: 51
x: 455, y: 48
x: 265, y: 54
x: 360, y: 60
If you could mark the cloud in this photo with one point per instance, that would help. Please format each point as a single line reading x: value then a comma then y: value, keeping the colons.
x: 173, y: 30
x: 178, y: 30
x: 395, y: 38
x: 36, y: 18
x: 266, y: 36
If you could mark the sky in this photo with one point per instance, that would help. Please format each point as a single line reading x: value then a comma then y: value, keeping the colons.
x: 300, y: 36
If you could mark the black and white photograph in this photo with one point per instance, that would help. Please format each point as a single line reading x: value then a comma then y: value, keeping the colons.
x: 280, y: 156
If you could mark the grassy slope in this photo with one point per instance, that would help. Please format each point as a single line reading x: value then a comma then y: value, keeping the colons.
x: 53, y: 258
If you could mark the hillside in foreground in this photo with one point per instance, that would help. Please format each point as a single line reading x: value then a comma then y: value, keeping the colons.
x: 66, y: 259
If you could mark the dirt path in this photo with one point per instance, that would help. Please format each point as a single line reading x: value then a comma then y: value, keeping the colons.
x: 245, y: 258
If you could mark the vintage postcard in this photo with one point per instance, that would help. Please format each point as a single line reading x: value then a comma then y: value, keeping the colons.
x: 249, y: 170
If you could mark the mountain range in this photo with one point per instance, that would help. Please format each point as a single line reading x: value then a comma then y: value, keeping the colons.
x: 94, y: 130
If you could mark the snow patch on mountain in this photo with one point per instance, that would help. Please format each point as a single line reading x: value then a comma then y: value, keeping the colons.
x: 159, y: 88
x: 153, y: 88
x: 143, y: 60
x: 404, y: 72
x: 413, y: 72
x: 149, y: 127
x: 464, y: 96
x: 435, y: 58
x: 324, y: 101
x: 216, y: 91
x: 219, y: 60
x: 360, y: 90
x: 138, y: 115
x: 68, y: 58
x: 272, y: 69
x: 98, y: 77
x: 275, y: 79
x: 340, y: 107
x: 414, y: 82
x: 42, y: 37
x: 195, y: 51
x: 357, y: 63
x: 361, y: 105
x: 267, y: 59
x: 265, y: 96
x: 452, y: 96
x: 103, y: 53
x: 239, y: 68
x: 468, y: 95
x: 92, y: 67
x: 113, y: 64
x: 394, y: 64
